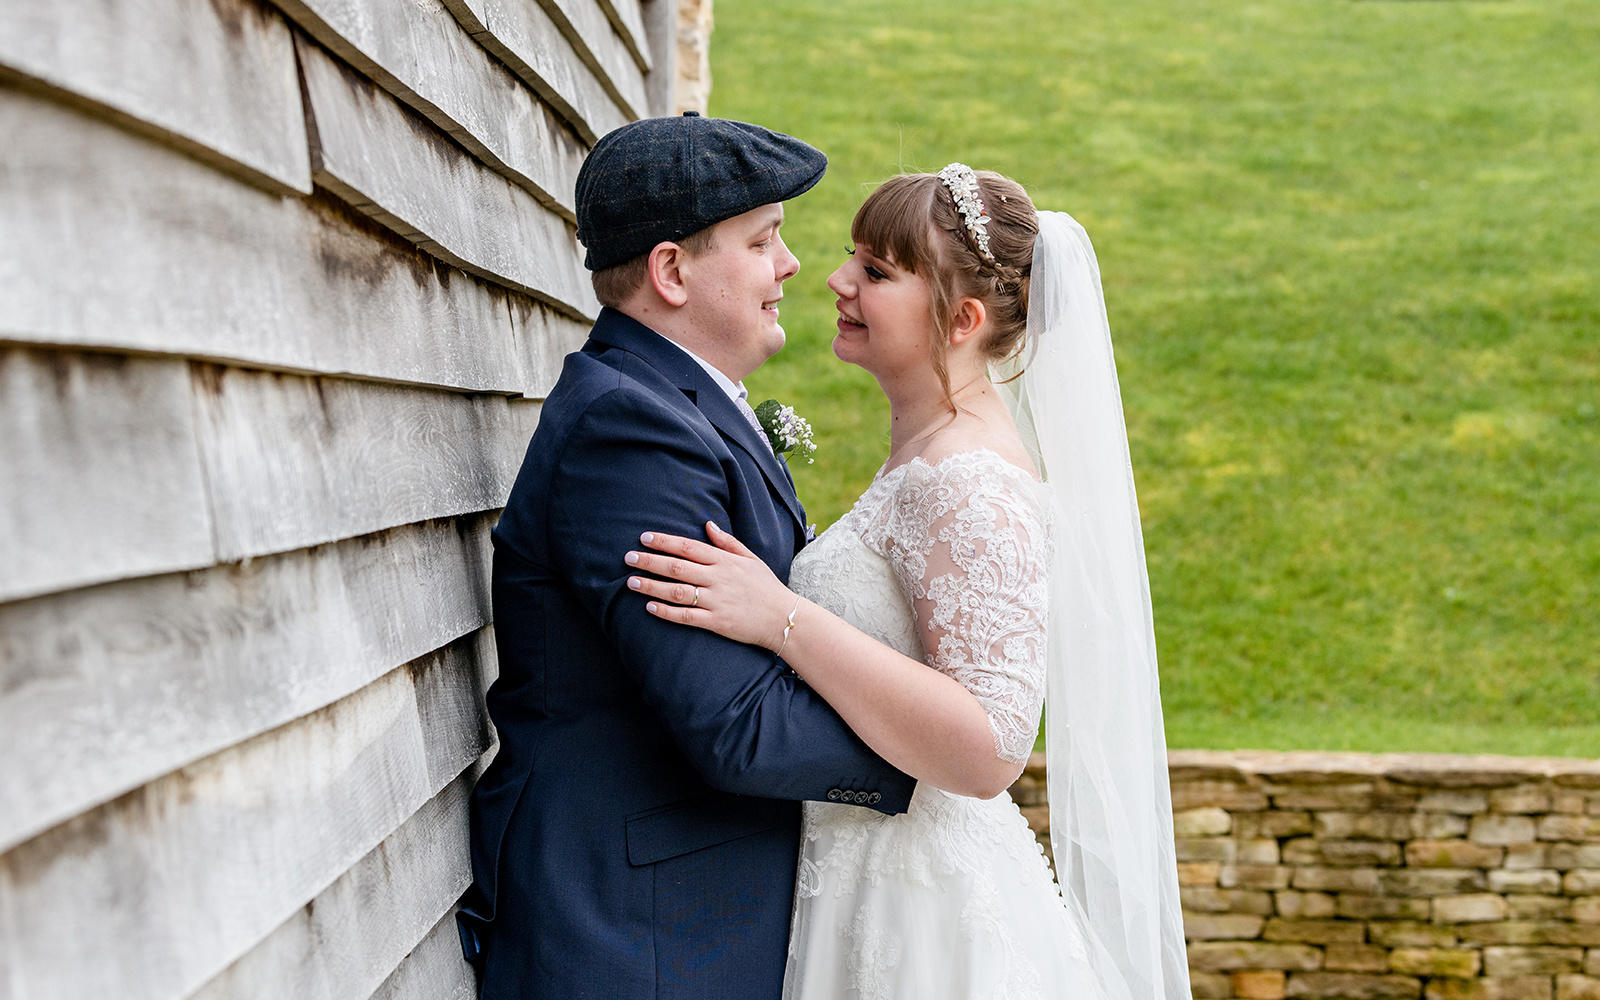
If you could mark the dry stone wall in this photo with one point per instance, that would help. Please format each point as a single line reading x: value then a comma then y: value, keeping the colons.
x: 693, y: 89
x: 1383, y: 877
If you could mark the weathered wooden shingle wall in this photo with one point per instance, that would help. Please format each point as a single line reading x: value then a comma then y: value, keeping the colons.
x: 281, y: 285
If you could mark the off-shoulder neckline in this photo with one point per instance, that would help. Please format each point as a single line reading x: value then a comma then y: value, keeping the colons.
x: 885, y: 473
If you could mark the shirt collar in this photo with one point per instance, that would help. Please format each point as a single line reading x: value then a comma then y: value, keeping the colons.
x: 735, y: 390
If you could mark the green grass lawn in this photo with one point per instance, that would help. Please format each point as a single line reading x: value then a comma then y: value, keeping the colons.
x: 1351, y: 253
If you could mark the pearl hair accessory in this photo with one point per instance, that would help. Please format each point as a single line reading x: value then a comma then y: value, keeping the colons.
x: 963, y: 185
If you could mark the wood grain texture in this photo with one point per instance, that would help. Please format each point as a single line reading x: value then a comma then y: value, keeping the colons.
x: 292, y: 461
x: 434, y: 970
x: 661, y: 26
x: 101, y: 478
x: 288, y: 283
x: 626, y: 17
x: 213, y: 77
x: 544, y: 338
x: 393, y: 165
x: 119, y: 684
x: 277, y: 279
x: 419, y: 53
x: 595, y: 41
x: 332, y: 948
x: 520, y: 34
x: 155, y: 893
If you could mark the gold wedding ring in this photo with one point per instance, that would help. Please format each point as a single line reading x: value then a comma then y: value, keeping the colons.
x: 696, y: 602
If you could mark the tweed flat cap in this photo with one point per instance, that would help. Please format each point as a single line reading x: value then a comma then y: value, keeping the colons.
x: 667, y: 178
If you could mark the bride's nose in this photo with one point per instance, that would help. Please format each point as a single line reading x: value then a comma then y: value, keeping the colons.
x: 841, y: 285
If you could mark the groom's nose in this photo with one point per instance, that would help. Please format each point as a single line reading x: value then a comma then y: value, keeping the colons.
x: 788, y: 264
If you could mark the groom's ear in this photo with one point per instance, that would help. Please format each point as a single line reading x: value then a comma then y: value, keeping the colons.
x: 970, y: 315
x: 664, y: 264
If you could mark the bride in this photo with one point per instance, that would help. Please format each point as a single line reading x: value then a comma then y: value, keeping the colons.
x: 999, y: 545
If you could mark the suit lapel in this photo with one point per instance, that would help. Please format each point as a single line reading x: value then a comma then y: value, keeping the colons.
x: 725, y: 416
x: 617, y: 330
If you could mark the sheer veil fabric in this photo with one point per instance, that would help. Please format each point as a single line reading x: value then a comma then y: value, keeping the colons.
x: 1110, y: 805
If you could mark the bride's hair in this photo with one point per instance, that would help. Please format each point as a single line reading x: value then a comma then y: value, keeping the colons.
x: 912, y: 219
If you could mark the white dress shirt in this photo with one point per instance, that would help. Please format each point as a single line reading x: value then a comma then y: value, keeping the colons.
x: 735, y: 390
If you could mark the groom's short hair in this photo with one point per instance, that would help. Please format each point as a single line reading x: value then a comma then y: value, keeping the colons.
x: 616, y: 284
x: 673, y: 179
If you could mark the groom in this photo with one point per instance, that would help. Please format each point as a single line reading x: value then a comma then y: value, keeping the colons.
x: 637, y: 833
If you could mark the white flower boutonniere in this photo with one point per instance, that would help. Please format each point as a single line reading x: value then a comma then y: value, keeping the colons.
x: 786, y: 430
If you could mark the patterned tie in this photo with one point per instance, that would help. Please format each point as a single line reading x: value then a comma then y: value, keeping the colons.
x: 750, y: 417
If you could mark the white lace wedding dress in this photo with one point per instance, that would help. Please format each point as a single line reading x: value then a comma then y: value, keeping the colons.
x: 953, y: 898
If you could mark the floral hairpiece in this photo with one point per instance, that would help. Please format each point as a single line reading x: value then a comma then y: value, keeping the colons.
x: 963, y: 185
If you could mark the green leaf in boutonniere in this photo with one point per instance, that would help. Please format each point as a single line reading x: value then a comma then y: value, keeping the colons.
x: 786, y: 430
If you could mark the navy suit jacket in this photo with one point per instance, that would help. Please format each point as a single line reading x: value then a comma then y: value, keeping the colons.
x: 637, y: 833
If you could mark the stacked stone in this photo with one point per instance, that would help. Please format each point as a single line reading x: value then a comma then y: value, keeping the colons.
x: 692, y: 88
x: 1384, y: 877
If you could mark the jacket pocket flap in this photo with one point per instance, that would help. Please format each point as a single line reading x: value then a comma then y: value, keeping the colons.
x: 700, y: 823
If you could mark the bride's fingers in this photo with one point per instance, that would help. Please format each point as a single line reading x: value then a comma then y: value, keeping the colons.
x: 726, y: 540
x: 685, y: 594
x: 688, y: 548
x: 698, y: 617
x: 672, y: 567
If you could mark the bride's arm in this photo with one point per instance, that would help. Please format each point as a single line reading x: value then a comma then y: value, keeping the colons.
x: 920, y: 720
x: 979, y: 613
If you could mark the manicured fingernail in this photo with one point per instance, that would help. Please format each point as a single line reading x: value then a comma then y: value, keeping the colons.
x: 650, y: 608
x: 635, y: 582
x: 712, y: 526
x: 647, y: 538
x: 632, y: 558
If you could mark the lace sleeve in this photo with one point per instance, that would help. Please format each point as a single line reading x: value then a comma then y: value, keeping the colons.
x: 969, y: 541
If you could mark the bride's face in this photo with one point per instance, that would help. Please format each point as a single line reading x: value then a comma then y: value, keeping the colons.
x: 885, y: 316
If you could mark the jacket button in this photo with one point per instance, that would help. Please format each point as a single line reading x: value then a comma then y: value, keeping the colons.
x: 873, y: 799
x: 833, y: 795
x: 861, y: 798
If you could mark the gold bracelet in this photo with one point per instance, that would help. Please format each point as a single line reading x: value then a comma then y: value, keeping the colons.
x: 788, y: 627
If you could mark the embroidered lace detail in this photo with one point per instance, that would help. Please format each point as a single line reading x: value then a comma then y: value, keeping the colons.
x: 969, y: 541
x: 808, y: 879
x: 952, y: 899
x: 874, y: 952
x: 983, y: 924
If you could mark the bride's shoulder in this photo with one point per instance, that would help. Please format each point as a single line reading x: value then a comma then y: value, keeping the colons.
x: 975, y: 478
x: 969, y: 481
x: 979, y: 458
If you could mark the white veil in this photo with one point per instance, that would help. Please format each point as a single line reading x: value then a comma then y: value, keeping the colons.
x: 1110, y: 806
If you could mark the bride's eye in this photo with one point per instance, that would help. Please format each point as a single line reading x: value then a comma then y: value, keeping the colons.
x: 871, y: 272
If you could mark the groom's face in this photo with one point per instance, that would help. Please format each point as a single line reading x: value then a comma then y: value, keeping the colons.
x: 734, y: 289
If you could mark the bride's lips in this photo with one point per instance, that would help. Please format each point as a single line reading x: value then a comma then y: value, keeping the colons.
x: 846, y: 321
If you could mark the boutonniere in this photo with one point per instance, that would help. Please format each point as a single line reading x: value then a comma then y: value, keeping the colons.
x: 786, y: 430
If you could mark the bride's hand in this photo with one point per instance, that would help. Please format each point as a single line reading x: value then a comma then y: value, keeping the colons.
x: 723, y: 587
